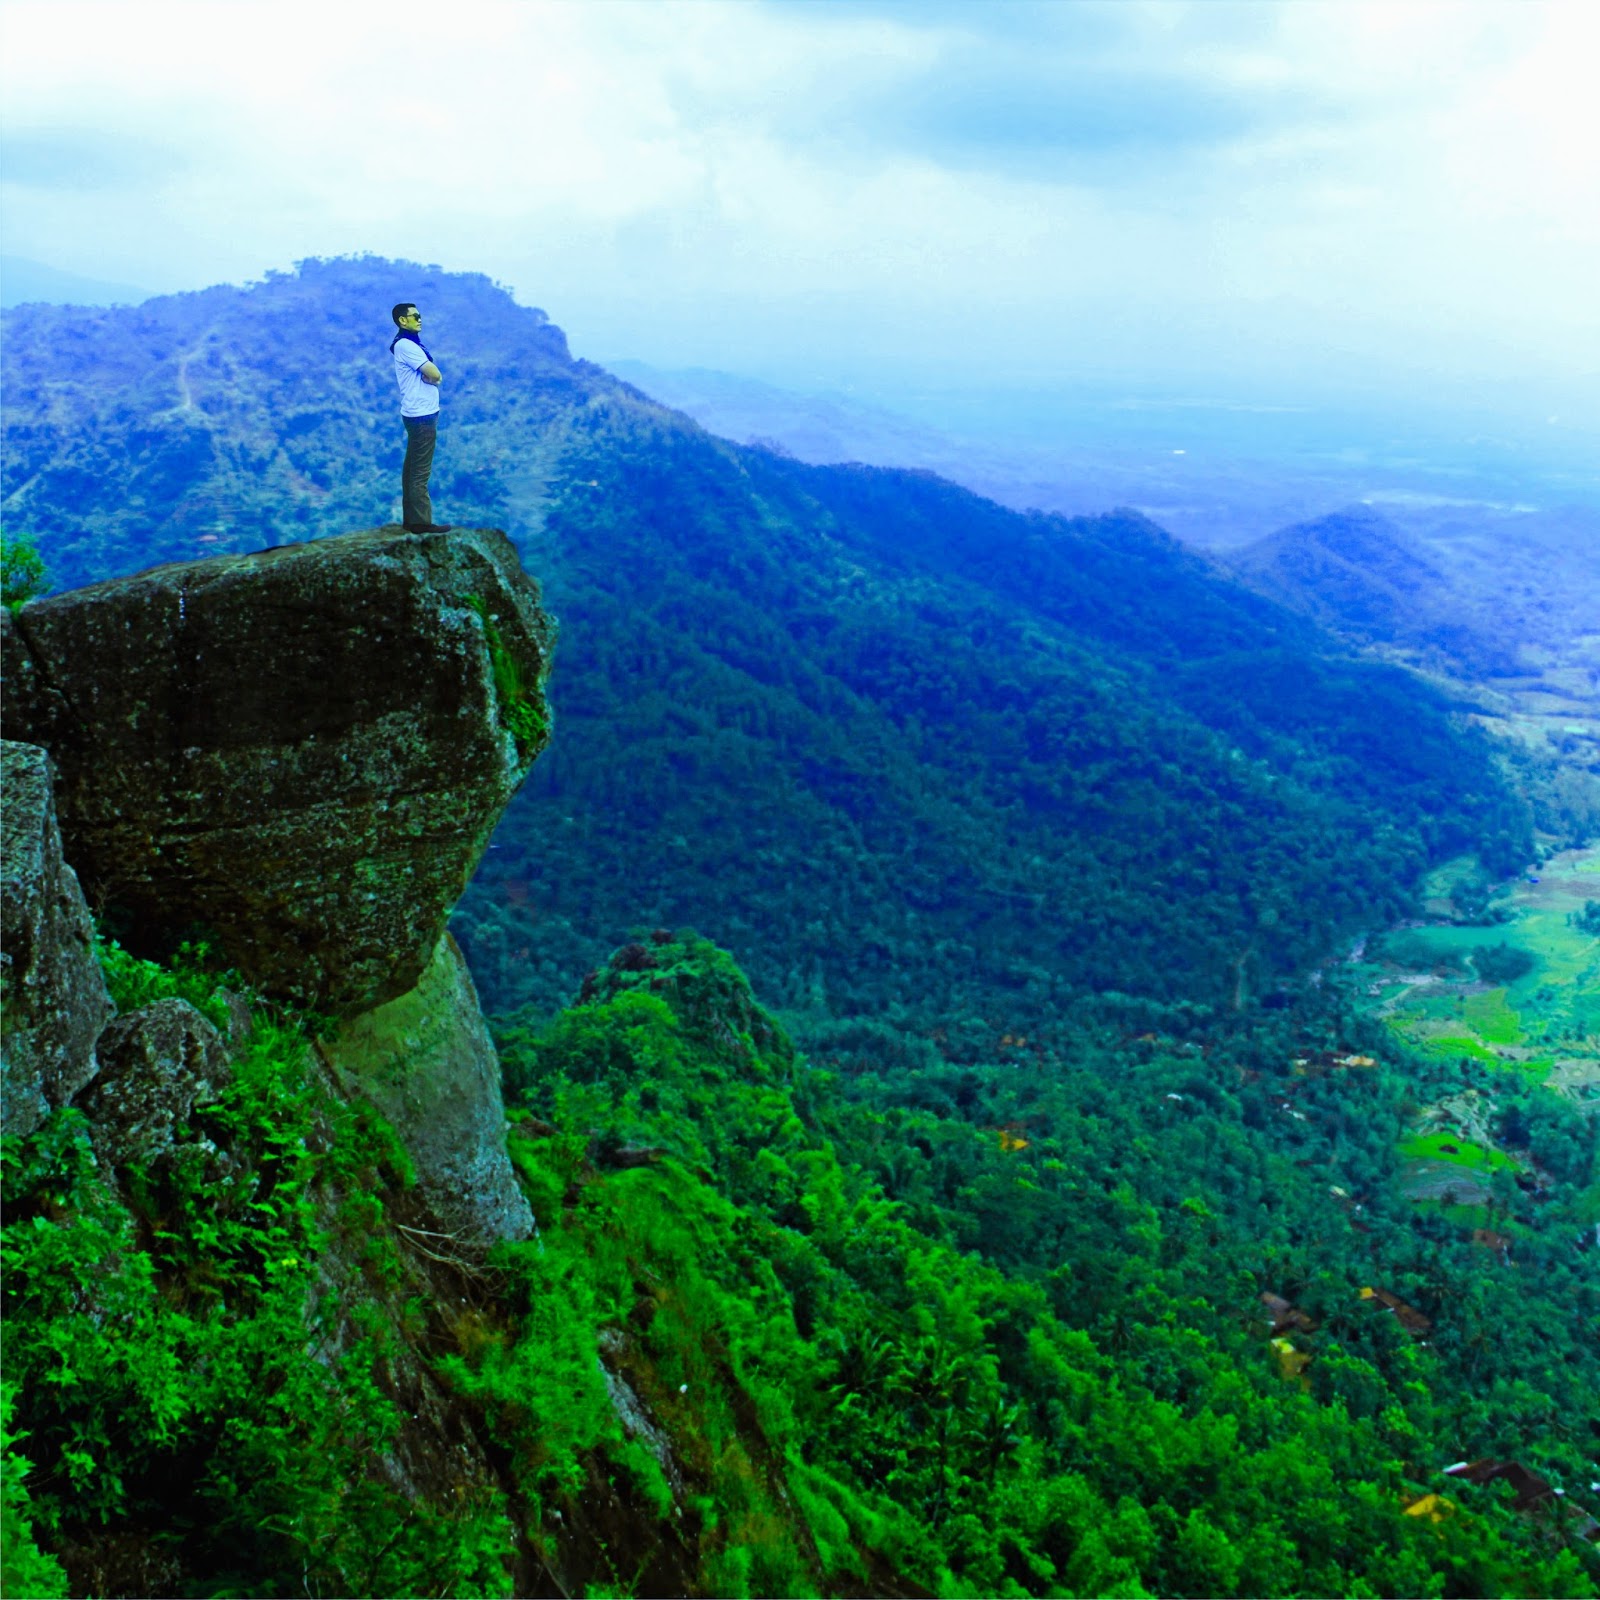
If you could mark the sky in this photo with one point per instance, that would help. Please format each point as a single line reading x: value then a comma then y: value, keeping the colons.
x: 1278, y: 201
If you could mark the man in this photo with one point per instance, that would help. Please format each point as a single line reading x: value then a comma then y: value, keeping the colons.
x: 419, y: 381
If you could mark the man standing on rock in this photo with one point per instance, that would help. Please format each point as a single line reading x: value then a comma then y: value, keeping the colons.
x: 419, y: 410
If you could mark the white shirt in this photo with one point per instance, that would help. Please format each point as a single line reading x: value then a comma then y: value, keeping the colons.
x: 417, y: 398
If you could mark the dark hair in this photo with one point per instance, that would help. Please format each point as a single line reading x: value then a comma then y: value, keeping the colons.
x: 404, y: 305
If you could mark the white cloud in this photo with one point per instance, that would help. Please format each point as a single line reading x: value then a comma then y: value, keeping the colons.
x: 1283, y: 184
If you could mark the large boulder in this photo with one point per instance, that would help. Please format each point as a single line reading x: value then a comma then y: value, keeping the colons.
x: 297, y: 755
x: 426, y: 1061
x: 156, y: 1065
x: 53, y: 997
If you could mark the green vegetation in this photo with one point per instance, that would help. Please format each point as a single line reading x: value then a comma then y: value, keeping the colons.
x: 519, y: 706
x: 22, y: 570
x: 899, y: 1326
x: 988, y: 1359
x: 191, y: 976
x: 1037, y: 1348
x: 789, y: 1330
x: 978, y: 771
x: 24, y: 1569
x: 180, y: 1373
x: 1502, y: 963
x: 1460, y: 1152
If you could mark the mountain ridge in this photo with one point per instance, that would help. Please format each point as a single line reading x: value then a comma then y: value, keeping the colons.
x: 949, y: 699
x: 1358, y: 573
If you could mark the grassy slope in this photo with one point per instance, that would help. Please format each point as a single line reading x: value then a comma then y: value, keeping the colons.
x: 765, y: 1343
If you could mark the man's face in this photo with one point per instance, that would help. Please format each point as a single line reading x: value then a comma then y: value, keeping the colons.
x: 411, y: 320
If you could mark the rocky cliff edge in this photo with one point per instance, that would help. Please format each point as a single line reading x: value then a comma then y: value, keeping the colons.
x: 297, y: 756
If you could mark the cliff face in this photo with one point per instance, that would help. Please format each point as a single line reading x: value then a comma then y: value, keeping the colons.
x: 297, y: 756
x: 51, y: 989
x: 426, y: 1061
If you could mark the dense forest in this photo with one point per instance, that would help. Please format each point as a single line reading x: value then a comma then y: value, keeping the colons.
x: 1002, y: 1200
x: 1094, y: 1324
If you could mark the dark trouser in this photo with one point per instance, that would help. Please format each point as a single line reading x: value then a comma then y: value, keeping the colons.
x: 422, y: 434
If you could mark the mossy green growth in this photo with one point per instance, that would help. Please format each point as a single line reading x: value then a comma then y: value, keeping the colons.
x: 190, y: 975
x: 522, y: 707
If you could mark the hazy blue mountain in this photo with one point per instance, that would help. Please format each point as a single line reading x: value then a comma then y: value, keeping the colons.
x: 896, y: 745
x: 1536, y: 568
x: 1359, y: 574
x: 1219, y: 471
x: 820, y: 428
x: 23, y: 282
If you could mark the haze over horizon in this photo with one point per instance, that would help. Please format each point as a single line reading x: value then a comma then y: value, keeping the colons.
x: 1384, y: 207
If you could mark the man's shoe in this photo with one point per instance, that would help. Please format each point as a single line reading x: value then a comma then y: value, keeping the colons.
x: 427, y: 527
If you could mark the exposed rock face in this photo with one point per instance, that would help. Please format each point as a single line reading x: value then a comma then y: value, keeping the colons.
x: 52, y: 991
x: 156, y: 1066
x: 426, y: 1061
x: 297, y: 754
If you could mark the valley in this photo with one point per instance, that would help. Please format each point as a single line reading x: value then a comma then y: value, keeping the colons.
x: 1503, y: 537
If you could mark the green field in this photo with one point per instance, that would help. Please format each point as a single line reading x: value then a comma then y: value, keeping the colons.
x: 1457, y: 1152
x: 1426, y: 985
x: 1540, y: 1024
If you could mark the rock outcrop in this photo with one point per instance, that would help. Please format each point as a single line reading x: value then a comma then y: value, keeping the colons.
x: 53, y: 998
x: 298, y: 754
x: 426, y: 1061
x: 156, y: 1065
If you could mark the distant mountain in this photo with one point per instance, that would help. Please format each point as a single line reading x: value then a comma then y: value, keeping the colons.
x: 1360, y: 575
x: 819, y: 428
x: 1070, y: 455
x: 1536, y: 570
x: 1353, y: 569
x: 904, y: 751
x: 24, y: 282
x: 1484, y: 592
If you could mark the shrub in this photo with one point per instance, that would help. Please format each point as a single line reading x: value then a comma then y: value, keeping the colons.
x: 22, y: 570
x: 1502, y: 963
